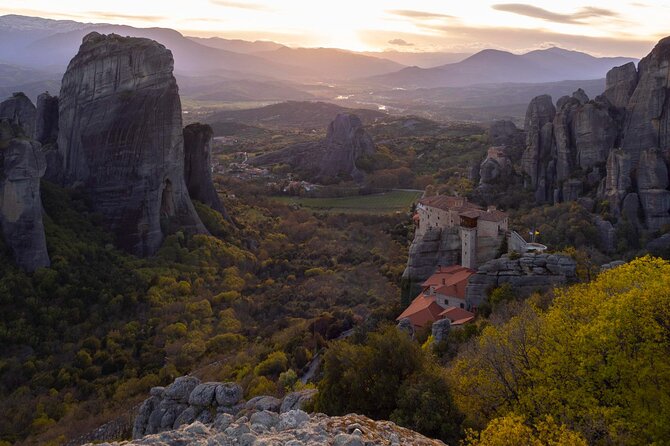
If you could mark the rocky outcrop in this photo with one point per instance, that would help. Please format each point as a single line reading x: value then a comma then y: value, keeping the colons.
x: 526, y: 274
x: 505, y: 133
x: 120, y: 138
x: 198, y: 166
x: 617, y: 145
x: 20, y: 111
x: 293, y: 428
x: 440, y: 330
x: 620, y: 84
x: 329, y: 159
x: 187, y: 400
x: 46, y: 121
x: 22, y: 165
x: 648, y: 110
x: 539, y: 140
x: 435, y: 247
x: 496, y: 167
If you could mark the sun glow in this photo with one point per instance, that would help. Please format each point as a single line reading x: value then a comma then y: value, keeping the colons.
x: 622, y: 28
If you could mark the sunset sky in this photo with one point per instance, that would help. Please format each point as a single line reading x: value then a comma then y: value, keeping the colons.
x: 626, y: 28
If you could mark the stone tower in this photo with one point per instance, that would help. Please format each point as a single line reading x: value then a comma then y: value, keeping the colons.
x: 469, y: 239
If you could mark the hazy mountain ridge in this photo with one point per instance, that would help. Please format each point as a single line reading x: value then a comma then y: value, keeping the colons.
x: 495, y: 66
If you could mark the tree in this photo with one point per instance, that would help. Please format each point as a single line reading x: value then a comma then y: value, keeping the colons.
x: 597, y: 360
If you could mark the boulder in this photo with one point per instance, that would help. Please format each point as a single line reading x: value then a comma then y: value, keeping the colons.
x: 606, y: 235
x: 203, y: 394
x: 228, y: 394
x: 405, y: 325
x: 120, y: 137
x: 22, y: 165
x: 180, y: 390
x: 581, y: 96
x: 21, y: 112
x: 198, y: 166
x: 297, y: 400
x: 440, y: 330
x: 264, y: 403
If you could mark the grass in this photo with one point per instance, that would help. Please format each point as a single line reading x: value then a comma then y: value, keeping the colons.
x: 385, y: 203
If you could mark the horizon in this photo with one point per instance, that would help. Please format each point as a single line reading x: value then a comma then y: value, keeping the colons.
x: 380, y: 26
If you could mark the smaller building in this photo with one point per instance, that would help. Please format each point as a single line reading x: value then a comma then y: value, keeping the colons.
x: 443, y: 296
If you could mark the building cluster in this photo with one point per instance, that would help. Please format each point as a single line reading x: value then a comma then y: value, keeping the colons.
x: 443, y: 293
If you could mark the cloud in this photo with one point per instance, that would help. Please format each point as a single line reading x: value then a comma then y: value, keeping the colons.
x: 578, y: 17
x: 400, y: 42
x: 239, y: 5
x: 419, y: 14
x: 114, y: 15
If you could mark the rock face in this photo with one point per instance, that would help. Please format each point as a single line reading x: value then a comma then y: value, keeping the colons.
x: 187, y: 400
x: 20, y: 111
x: 121, y: 139
x: 526, y: 274
x: 617, y: 145
x: 22, y: 165
x: 496, y: 167
x: 46, y: 122
x: 198, y: 166
x: 329, y: 159
x: 504, y: 133
x: 620, y: 84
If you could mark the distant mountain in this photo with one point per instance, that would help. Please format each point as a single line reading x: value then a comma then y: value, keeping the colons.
x: 292, y: 114
x: 419, y: 59
x: 60, y: 42
x: 493, y: 66
x: 332, y: 63
x: 238, y: 45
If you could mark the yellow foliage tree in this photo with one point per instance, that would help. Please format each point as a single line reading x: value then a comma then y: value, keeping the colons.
x: 597, y: 360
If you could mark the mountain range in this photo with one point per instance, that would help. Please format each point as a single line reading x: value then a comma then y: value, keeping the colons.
x: 494, y: 66
x: 34, y: 52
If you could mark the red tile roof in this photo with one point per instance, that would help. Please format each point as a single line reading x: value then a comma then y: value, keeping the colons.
x: 447, y: 203
x: 455, y: 314
x: 450, y: 280
x: 422, y: 311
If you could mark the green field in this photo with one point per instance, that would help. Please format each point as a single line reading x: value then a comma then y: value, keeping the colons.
x: 385, y: 203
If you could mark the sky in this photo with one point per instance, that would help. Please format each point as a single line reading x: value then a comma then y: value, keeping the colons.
x: 615, y: 27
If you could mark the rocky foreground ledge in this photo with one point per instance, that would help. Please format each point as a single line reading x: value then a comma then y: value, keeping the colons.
x: 189, y: 412
x: 292, y: 428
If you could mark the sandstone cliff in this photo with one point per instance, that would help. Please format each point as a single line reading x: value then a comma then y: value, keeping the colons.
x: 22, y: 165
x: 46, y: 121
x: 198, y: 166
x: 329, y: 159
x: 120, y: 137
x: 615, y: 147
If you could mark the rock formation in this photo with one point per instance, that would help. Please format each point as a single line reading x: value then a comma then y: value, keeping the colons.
x: 504, y: 133
x: 496, y: 167
x: 526, y: 274
x: 20, y: 111
x: 331, y: 158
x: 46, y: 124
x: 615, y: 147
x: 22, y: 165
x: 120, y: 138
x: 191, y: 412
x: 198, y: 166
